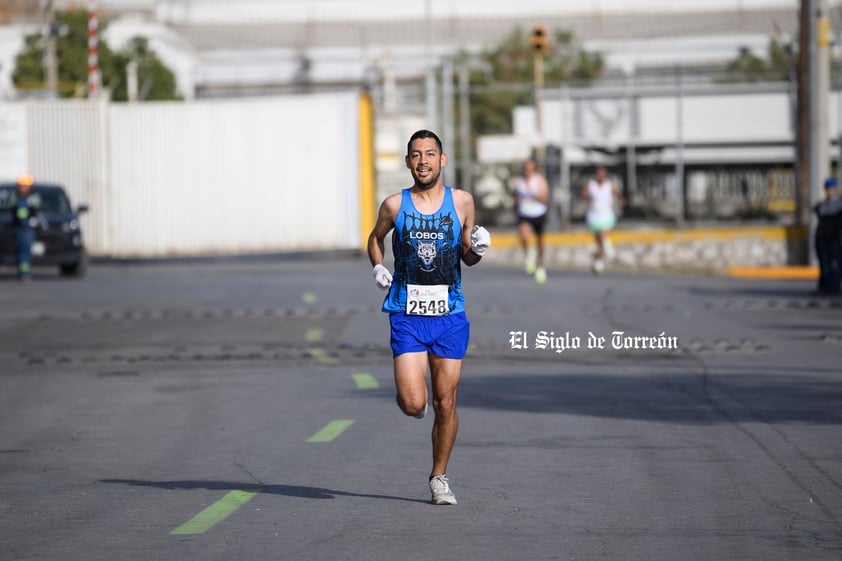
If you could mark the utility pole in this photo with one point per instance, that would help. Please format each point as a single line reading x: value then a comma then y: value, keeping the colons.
x: 802, y: 119
x: 820, y: 97
x: 51, y: 61
x: 564, y: 181
x: 813, y: 95
x: 681, y: 204
x: 448, y: 126
x: 465, y: 179
x: 631, y: 146
x: 430, y: 77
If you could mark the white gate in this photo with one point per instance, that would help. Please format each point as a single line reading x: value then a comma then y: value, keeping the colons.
x: 205, y: 177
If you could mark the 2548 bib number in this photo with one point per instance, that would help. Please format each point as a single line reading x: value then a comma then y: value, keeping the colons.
x: 427, y: 300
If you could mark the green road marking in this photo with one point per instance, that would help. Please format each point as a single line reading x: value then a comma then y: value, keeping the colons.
x: 331, y: 431
x: 314, y: 335
x: 365, y: 381
x: 215, y: 513
x: 320, y: 356
x: 309, y: 298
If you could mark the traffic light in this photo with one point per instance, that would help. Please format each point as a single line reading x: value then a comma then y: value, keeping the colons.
x: 538, y: 40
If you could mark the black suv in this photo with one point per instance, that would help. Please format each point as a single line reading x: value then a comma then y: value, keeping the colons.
x: 58, y: 237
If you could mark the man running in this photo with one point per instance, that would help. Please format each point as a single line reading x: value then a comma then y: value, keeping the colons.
x: 532, y: 197
x: 434, y: 232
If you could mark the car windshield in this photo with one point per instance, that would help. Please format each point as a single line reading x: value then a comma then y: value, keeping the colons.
x: 51, y: 201
x: 7, y: 198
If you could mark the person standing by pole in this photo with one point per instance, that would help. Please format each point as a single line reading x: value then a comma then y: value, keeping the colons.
x: 827, y: 240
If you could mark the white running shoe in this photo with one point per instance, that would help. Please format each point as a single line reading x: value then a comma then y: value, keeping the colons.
x: 540, y: 275
x: 440, y: 488
x: 598, y: 267
x: 423, y: 412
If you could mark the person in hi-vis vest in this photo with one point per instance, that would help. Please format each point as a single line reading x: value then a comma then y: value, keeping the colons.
x: 25, y: 221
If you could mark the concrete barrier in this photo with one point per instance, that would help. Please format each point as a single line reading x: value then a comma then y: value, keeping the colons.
x: 716, y: 250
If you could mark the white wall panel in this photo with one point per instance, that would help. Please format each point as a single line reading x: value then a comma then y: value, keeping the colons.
x: 200, y: 178
x: 67, y: 145
x: 235, y: 176
x: 731, y: 118
x: 13, y: 157
x: 727, y: 118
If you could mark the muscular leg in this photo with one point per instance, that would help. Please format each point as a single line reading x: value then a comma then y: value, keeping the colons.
x: 600, y: 244
x: 445, y: 379
x: 411, y: 382
x: 540, y: 249
x: 523, y: 230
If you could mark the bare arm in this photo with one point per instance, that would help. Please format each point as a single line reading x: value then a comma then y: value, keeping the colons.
x: 543, y: 190
x: 465, y: 207
x: 384, y: 224
x: 618, y: 194
x: 584, y: 193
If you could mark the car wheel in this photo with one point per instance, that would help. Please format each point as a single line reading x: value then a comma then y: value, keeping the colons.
x: 76, y: 269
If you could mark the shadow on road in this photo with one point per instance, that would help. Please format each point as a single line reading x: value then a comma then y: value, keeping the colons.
x: 285, y: 490
x: 742, y: 394
x: 679, y: 398
x: 738, y: 394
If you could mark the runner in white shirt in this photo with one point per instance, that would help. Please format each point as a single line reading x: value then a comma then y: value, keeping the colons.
x: 600, y: 192
x: 532, y: 197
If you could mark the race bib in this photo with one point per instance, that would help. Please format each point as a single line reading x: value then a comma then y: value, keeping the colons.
x: 531, y: 207
x: 427, y: 300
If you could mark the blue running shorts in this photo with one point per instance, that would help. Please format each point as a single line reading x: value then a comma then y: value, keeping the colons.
x: 444, y: 336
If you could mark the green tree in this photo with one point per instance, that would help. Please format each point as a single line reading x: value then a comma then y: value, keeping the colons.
x: 71, y: 28
x: 155, y: 81
x: 72, y: 54
x: 505, y: 75
x: 748, y: 67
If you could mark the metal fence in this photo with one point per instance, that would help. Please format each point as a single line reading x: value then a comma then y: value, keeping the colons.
x: 678, y: 151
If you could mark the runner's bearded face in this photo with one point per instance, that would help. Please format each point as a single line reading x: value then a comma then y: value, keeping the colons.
x: 424, y: 162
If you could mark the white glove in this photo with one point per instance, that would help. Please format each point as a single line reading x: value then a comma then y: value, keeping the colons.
x: 382, y: 277
x: 480, y: 240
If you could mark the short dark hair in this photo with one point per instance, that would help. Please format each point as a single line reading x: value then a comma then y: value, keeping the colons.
x: 423, y: 133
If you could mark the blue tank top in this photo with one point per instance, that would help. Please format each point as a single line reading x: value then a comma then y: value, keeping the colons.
x: 428, y: 251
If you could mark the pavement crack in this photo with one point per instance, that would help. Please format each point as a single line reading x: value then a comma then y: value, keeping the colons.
x: 722, y: 411
x: 263, y: 486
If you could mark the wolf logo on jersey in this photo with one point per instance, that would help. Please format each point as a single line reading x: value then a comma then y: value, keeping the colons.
x: 427, y: 252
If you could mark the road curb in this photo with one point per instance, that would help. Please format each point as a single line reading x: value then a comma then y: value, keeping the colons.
x: 775, y: 273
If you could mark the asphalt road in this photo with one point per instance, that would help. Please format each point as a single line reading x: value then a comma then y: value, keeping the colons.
x: 245, y: 410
